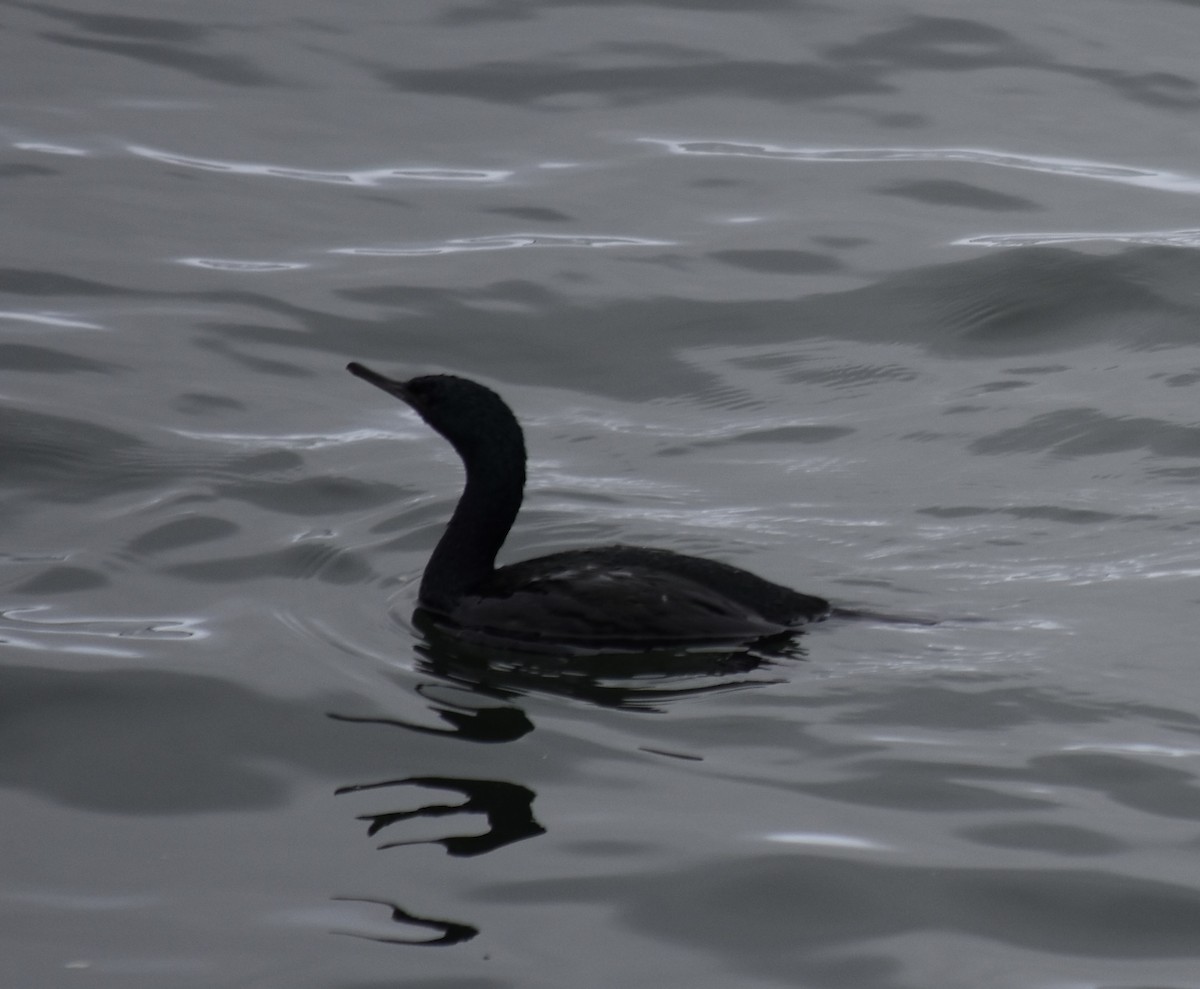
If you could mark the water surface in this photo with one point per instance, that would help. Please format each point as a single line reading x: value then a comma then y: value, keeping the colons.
x: 895, y: 305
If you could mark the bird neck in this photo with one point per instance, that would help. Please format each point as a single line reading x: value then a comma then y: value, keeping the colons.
x: 466, y: 553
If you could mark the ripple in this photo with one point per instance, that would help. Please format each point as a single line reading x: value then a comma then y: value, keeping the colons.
x: 51, y: 149
x: 363, y: 177
x: 289, y: 441
x: 50, y: 319
x: 505, y: 242
x: 1087, y: 432
x: 117, y: 628
x: 1163, y: 238
x: 1079, y: 168
x: 242, y: 267
x: 825, y: 840
x: 1134, y: 748
x: 312, y: 560
x: 76, y: 635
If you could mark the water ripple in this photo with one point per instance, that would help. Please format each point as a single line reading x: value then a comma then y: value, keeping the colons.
x: 117, y: 628
x: 292, y: 441
x: 242, y: 267
x: 50, y: 149
x: 502, y: 243
x: 1126, y: 174
x: 49, y: 319
x: 357, y: 177
x: 1163, y: 238
x: 74, y: 635
x: 1134, y: 748
x: 825, y: 840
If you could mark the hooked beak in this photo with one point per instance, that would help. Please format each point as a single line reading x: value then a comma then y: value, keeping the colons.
x: 397, y: 388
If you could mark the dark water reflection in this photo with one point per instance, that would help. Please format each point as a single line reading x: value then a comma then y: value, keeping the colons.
x: 506, y: 808
x: 631, y: 681
x: 468, y: 722
x: 446, y: 932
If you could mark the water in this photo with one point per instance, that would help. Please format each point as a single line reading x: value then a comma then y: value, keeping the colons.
x: 897, y: 306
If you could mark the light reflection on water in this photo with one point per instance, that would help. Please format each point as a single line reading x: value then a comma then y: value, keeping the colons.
x: 907, y: 377
x: 356, y: 177
x: 1161, y: 181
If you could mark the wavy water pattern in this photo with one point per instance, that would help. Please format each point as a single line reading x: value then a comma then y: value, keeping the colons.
x: 1101, y: 171
x: 51, y: 319
x: 949, y: 383
x: 363, y: 177
x: 1161, y: 238
x: 502, y: 242
x: 243, y: 267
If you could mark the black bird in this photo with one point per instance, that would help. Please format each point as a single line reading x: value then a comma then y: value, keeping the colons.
x: 604, y: 598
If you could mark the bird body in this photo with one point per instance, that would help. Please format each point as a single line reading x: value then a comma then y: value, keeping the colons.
x: 603, y: 597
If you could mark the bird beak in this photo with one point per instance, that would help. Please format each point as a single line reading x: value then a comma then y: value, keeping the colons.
x: 397, y: 388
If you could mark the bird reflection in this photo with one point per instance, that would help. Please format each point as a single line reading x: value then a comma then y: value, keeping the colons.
x: 632, y: 681
x: 507, y: 808
x: 452, y: 932
x: 468, y: 723
x: 491, y: 681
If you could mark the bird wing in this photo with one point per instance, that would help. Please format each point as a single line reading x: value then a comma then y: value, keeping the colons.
x: 594, y: 602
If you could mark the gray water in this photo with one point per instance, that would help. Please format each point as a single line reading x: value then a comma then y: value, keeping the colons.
x: 895, y: 305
